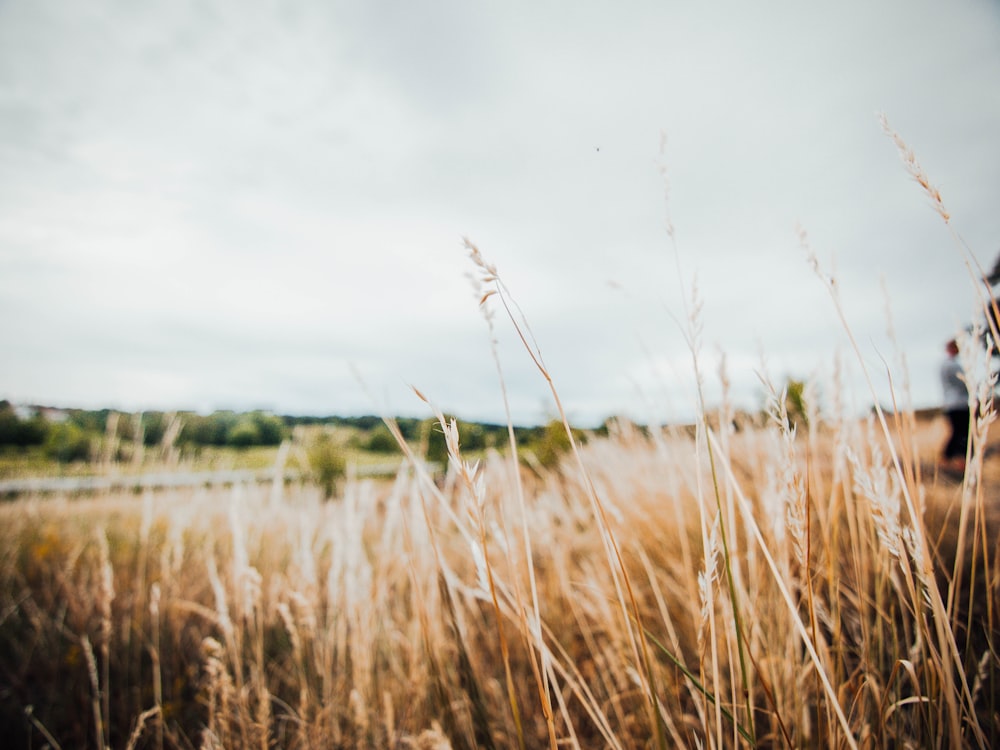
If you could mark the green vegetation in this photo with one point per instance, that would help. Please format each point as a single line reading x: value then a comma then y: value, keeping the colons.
x: 228, y: 428
x: 380, y: 440
x: 327, y: 463
x: 66, y: 442
x: 20, y: 433
x: 48, y: 440
x: 552, y: 443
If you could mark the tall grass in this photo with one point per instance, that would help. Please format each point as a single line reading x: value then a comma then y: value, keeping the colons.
x: 417, y: 614
x: 761, y: 584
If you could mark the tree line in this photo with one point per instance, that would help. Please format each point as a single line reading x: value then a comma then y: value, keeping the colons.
x: 67, y: 435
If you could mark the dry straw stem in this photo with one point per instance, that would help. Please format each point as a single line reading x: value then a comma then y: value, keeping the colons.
x: 530, y: 621
x: 630, y: 611
x: 359, y: 639
x: 915, y: 170
x: 946, y: 652
x: 692, y: 333
x: 988, y: 305
x: 787, y: 597
x: 30, y: 713
x: 981, y: 406
x: 140, y: 725
x: 508, y: 603
x: 473, y: 480
x: 96, y: 701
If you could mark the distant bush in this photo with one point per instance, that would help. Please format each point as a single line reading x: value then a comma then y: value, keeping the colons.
x: 380, y: 441
x: 326, y: 463
x: 409, y: 427
x: 154, y: 426
x: 433, y: 437
x: 796, y: 405
x: 243, y: 434
x: 20, y: 432
x: 795, y: 402
x: 472, y: 436
x: 66, y: 442
x: 219, y: 429
x: 224, y: 428
x: 270, y: 429
x: 551, y: 442
x: 367, y: 422
x: 9, y: 427
x: 211, y: 430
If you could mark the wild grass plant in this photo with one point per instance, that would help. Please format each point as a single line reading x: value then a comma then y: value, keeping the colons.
x: 452, y: 614
x: 449, y: 614
x: 808, y: 582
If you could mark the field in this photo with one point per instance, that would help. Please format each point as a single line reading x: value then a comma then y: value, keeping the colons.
x: 716, y: 588
x: 809, y: 579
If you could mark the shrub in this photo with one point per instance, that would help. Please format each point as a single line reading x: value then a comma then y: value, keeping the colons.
x: 21, y: 432
x: 9, y: 427
x: 433, y: 437
x: 211, y: 430
x: 381, y: 441
x: 66, y: 442
x: 472, y: 436
x: 795, y: 402
x: 154, y: 425
x: 327, y: 464
x: 243, y: 434
x: 270, y: 429
x: 552, y: 444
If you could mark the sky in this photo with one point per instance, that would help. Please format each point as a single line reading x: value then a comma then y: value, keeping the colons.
x: 262, y: 204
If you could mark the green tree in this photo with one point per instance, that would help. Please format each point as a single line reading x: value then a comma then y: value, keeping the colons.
x: 473, y: 436
x: 327, y: 464
x: 243, y: 434
x: 437, y: 446
x: 154, y: 425
x: 10, y: 425
x: 67, y: 442
x: 20, y: 432
x: 553, y: 443
x: 32, y: 431
x: 796, y: 406
x: 381, y: 440
x: 90, y: 421
x: 795, y: 402
x: 270, y: 428
x: 409, y: 427
x: 211, y: 430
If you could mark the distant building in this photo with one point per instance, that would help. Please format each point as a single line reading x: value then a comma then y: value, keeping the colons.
x: 25, y: 413
x: 55, y: 416
x: 50, y: 414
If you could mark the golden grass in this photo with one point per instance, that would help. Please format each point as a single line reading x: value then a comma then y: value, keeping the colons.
x: 761, y: 587
x: 400, y: 615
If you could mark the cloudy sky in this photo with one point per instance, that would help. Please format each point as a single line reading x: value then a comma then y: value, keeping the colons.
x: 262, y: 204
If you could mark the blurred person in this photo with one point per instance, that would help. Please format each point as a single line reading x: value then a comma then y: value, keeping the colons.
x: 956, y: 409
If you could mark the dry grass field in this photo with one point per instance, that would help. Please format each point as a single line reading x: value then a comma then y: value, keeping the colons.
x: 720, y: 589
x: 760, y: 585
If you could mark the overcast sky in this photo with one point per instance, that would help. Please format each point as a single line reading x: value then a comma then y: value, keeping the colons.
x: 261, y: 204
